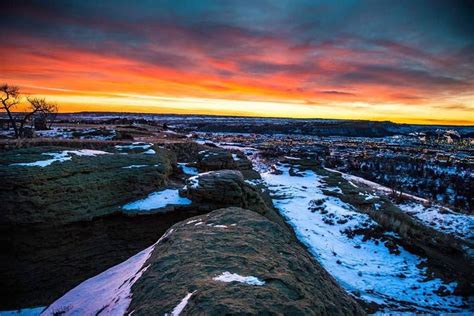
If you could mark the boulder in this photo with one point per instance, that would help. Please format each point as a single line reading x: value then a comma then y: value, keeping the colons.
x: 230, y: 261
x: 209, y: 160
x: 223, y: 188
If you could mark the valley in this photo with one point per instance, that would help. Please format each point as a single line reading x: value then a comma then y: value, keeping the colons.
x: 171, y: 208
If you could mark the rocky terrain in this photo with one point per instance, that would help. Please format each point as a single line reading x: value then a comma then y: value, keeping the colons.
x: 72, y: 212
x: 259, y: 125
x: 86, y: 185
x: 254, y: 266
x: 163, y: 224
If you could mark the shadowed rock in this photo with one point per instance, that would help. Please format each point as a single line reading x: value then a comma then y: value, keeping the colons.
x: 240, y: 242
x: 230, y: 261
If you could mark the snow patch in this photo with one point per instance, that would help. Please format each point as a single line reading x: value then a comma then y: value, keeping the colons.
x: 193, y: 182
x: 150, y: 152
x: 217, y: 226
x: 108, y: 292
x: 61, y: 157
x: 134, y: 166
x: 180, y: 307
x: 441, y: 219
x: 235, y: 157
x: 188, y: 170
x: 377, y: 187
x: 156, y: 200
x: 135, y: 145
x: 234, y: 277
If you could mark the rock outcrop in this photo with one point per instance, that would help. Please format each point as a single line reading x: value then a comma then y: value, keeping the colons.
x: 79, y: 188
x: 40, y: 262
x: 209, y: 160
x: 223, y: 188
x: 226, y: 188
x: 230, y: 261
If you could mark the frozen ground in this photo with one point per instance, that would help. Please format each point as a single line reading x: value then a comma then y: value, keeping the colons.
x: 108, y: 293
x: 366, y: 269
x: 157, y: 200
x: 61, y: 157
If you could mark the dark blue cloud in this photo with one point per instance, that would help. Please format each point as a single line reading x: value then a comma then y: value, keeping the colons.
x: 425, y: 42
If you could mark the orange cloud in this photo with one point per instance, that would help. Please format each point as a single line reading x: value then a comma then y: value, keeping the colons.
x: 271, y: 78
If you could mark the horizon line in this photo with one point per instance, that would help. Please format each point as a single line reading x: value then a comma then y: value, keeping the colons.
x: 459, y: 124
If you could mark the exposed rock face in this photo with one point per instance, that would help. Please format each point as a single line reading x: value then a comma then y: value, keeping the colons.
x: 39, y: 263
x: 246, y: 244
x: 223, y: 188
x: 230, y: 261
x: 80, y: 188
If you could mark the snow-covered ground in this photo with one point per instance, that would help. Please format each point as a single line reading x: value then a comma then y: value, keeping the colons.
x: 157, y: 200
x: 70, y: 133
x: 35, y: 311
x: 60, y: 157
x: 55, y: 132
x: 441, y: 219
x: 364, y: 268
x: 108, y: 293
x: 435, y: 216
x: 354, y: 180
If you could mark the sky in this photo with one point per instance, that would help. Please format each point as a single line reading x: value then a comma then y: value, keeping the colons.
x: 403, y: 61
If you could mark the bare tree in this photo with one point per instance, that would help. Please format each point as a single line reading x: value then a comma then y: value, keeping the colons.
x: 37, y: 106
x: 10, y: 98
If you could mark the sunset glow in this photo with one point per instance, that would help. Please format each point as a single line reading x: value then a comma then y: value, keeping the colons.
x: 291, y: 59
